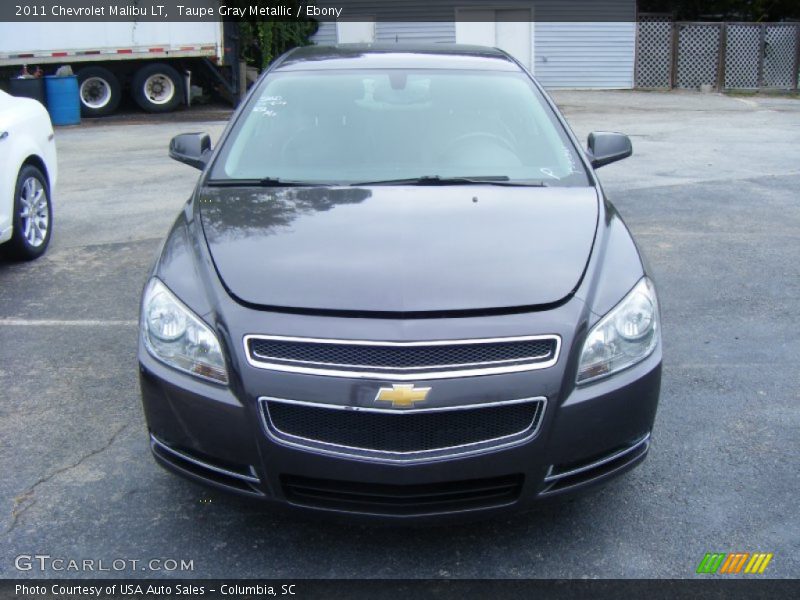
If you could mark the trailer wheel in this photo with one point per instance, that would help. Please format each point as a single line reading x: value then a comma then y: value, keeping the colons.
x: 157, y: 88
x: 99, y: 91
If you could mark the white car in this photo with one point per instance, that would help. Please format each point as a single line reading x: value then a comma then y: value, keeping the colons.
x: 28, y: 170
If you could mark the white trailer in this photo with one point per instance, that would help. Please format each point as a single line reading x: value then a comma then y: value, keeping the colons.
x: 150, y: 60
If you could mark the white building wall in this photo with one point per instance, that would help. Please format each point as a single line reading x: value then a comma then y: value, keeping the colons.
x: 438, y: 32
x: 585, y: 55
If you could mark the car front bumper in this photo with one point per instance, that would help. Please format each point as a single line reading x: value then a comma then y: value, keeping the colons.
x: 217, y: 436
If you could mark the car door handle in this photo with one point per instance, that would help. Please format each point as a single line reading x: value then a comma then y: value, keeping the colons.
x: 3, y: 135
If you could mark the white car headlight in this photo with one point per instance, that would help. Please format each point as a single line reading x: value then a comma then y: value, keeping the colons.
x: 626, y: 335
x: 174, y: 335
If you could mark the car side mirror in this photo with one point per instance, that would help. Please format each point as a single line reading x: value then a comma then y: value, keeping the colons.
x: 193, y: 149
x: 605, y: 148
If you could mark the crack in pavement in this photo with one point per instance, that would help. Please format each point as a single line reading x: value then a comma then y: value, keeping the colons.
x: 20, y: 506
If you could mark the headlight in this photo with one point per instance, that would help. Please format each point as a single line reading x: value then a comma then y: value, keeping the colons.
x: 626, y: 335
x: 174, y: 335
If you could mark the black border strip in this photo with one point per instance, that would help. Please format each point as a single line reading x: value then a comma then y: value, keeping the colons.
x: 65, y: 11
x: 710, y: 587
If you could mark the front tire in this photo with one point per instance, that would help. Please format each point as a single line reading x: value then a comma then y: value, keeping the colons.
x: 157, y: 88
x: 100, y: 91
x: 33, y: 215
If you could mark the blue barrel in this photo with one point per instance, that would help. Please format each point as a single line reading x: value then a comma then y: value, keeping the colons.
x: 63, y: 102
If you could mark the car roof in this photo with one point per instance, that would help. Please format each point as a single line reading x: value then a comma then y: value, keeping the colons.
x: 397, y: 56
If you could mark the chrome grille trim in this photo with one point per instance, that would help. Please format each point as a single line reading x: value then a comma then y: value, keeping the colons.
x: 252, y: 478
x: 555, y: 476
x: 328, y: 448
x: 404, y: 373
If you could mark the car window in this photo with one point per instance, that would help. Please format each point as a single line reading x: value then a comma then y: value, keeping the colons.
x: 365, y: 125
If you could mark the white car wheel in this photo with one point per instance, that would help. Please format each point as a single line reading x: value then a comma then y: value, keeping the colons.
x: 33, y: 215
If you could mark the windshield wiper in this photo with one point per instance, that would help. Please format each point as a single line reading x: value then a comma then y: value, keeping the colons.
x: 423, y: 180
x: 438, y: 180
x: 264, y: 182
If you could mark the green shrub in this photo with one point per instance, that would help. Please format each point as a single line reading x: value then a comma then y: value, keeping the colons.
x: 262, y: 41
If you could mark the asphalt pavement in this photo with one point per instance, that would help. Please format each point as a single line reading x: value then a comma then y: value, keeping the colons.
x: 711, y: 195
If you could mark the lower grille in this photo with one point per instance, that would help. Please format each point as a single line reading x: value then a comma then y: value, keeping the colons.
x: 403, y: 435
x: 402, y: 500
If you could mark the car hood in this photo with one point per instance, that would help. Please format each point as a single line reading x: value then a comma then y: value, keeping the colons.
x: 407, y: 249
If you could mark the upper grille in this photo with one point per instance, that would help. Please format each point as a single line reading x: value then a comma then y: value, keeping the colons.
x: 402, y: 360
x: 403, y: 435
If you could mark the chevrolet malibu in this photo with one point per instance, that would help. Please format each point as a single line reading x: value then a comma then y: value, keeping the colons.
x: 399, y: 291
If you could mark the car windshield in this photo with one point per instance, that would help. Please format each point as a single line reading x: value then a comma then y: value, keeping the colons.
x: 395, y: 126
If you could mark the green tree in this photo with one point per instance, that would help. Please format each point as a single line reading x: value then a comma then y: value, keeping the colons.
x: 264, y: 39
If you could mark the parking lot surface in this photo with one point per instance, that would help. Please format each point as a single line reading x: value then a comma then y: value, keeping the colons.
x: 711, y: 195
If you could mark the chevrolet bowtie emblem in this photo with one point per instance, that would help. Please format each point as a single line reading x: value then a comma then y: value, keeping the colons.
x: 402, y: 396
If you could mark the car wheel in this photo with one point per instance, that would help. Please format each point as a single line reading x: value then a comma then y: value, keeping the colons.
x: 157, y: 88
x: 33, y: 215
x: 99, y: 90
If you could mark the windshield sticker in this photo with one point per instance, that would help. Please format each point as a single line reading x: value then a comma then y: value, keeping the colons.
x: 573, y: 168
x: 266, y: 104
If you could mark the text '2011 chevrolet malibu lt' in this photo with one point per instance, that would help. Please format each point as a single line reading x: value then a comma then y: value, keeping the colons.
x: 398, y: 290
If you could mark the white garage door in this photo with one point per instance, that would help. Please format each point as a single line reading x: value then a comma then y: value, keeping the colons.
x: 355, y: 32
x: 507, y: 29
